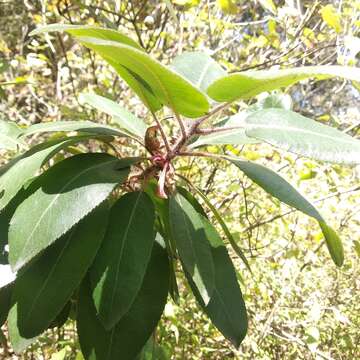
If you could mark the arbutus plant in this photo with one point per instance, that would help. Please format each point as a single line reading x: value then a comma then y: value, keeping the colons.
x: 99, y: 236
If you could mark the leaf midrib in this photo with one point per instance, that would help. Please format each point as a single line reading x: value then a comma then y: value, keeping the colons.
x: 55, y: 199
x: 122, y: 249
x: 296, y: 129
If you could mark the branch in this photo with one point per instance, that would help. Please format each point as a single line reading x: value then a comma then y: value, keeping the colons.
x: 193, y: 128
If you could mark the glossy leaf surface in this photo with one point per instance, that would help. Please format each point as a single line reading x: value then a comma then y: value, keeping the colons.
x: 140, y: 87
x: 226, y: 307
x: 300, y: 135
x: 121, y: 116
x: 47, y: 284
x: 87, y: 30
x: 248, y: 84
x: 187, y: 230
x: 23, y: 168
x: 119, y: 267
x: 126, y: 340
x: 65, y: 194
x: 169, y: 87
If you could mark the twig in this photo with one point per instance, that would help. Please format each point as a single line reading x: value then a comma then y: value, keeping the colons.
x: 217, y: 130
x: 162, y: 132
x: 181, y: 124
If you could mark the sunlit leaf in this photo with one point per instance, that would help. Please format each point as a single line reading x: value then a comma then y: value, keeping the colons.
x: 125, y: 119
x: 169, y: 87
x: 20, y: 170
x: 331, y: 17
x: 296, y: 133
x: 187, y: 230
x: 63, y: 195
x: 248, y: 84
x: 278, y: 187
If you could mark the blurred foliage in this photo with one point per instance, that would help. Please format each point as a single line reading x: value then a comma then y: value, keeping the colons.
x: 300, y: 306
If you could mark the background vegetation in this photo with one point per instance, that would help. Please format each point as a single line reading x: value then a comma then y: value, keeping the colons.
x: 300, y: 305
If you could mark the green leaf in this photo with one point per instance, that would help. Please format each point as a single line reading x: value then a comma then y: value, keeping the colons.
x: 119, y: 268
x: 169, y: 87
x: 224, y: 227
x: 5, y: 302
x: 226, y: 307
x: 21, y: 169
x: 333, y: 243
x: 62, y: 316
x: 300, y: 135
x: 9, y: 135
x: 140, y: 87
x: 64, y: 195
x: 199, y: 68
x: 125, y: 340
x: 88, y: 30
x: 192, y: 200
x: 121, y: 116
x: 82, y: 126
x: 248, y: 84
x: 18, y: 343
x: 278, y: 187
x: 187, y: 230
x: 47, y: 284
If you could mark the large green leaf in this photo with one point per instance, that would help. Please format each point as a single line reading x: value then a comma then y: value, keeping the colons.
x: 119, y: 268
x: 88, y: 30
x: 168, y: 86
x: 187, y: 229
x: 23, y: 168
x: 296, y: 133
x: 64, y: 195
x: 247, y: 84
x: 278, y: 187
x: 199, y: 68
x: 9, y: 135
x: 47, y: 284
x: 82, y: 126
x: 140, y: 87
x: 125, y: 119
x: 5, y: 302
x: 125, y: 340
x: 226, y: 307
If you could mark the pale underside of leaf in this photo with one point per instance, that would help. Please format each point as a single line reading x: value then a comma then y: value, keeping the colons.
x: 296, y: 133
